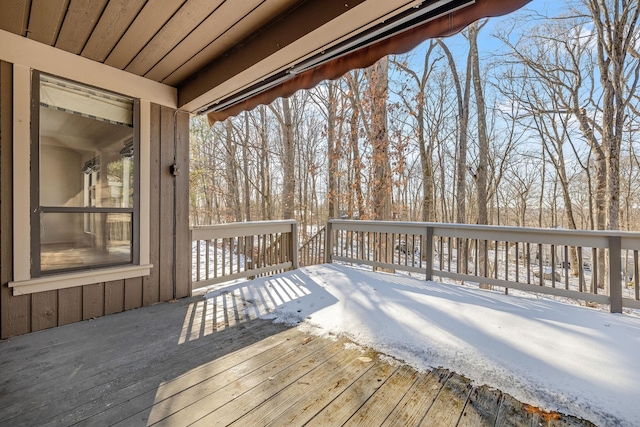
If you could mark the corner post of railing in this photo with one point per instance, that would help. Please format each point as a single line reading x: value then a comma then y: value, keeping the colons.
x: 615, y: 274
x: 328, y: 243
x: 429, y: 257
x: 293, y: 245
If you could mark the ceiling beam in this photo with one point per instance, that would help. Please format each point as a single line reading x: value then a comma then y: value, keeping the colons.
x: 23, y: 51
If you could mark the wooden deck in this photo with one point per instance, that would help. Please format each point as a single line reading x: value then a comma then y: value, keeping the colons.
x: 205, y: 364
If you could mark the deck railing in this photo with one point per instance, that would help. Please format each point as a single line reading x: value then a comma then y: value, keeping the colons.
x: 225, y: 252
x: 312, y: 251
x: 546, y: 261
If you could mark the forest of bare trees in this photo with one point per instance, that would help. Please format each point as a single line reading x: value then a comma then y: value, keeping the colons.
x: 538, y: 127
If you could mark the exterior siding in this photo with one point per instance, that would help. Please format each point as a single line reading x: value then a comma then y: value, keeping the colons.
x: 29, y: 313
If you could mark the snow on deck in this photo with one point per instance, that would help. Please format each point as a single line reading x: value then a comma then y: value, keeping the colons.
x: 544, y: 352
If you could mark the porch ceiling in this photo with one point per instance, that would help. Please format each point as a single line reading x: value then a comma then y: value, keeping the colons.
x: 215, y: 52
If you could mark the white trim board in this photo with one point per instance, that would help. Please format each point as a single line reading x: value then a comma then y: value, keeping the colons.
x: 70, y: 280
x: 144, y: 213
x: 23, y: 51
x: 21, y: 172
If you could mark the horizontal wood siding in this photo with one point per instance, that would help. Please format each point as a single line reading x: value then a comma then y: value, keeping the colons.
x: 28, y: 313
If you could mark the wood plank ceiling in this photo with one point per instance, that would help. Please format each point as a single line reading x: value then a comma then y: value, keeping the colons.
x: 163, y: 40
x: 208, y: 49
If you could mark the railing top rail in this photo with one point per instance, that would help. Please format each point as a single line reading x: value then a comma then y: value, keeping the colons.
x: 237, y: 229
x: 385, y: 226
x: 594, y: 238
x: 445, y: 225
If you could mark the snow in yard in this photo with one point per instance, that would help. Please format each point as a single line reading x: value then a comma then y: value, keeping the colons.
x: 543, y: 352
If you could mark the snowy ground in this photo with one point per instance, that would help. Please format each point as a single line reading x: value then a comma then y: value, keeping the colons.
x: 544, y: 352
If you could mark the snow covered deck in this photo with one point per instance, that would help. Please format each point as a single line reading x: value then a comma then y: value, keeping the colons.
x: 219, y: 359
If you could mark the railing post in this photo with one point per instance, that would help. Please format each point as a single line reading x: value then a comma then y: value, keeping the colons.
x: 615, y: 274
x: 429, y: 257
x: 293, y: 246
x: 328, y: 243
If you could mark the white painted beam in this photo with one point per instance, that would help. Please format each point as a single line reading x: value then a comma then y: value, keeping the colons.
x: 28, y: 53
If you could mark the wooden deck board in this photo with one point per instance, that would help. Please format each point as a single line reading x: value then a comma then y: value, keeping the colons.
x: 308, y: 385
x: 351, y: 400
x: 481, y: 408
x: 208, y: 362
x: 306, y: 408
x: 135, y: 335
x: 108, y: 386
x: 512, y: 413
x: 448, y: 406
x: 240, y: 406
x: 137, y: 391
x: 376, y: 410
x: 134, y: 343
x: 203, y: 401
x: 415, y: 404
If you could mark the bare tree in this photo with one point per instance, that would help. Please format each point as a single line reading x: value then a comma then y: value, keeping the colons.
x: 354, y: 138
x: 285, y: 118
x: 616, y: 31
x: 332, y: 149
x: 233, y: 194
x: 415, y: 104
x: 565, y: 54
x: 463, y: 118
x: 378, y: 86
x: 483, y: 138
x: 264, y: 165
x: 245, y: 164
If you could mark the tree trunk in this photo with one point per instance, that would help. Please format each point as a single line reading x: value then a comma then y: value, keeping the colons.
x: 245, y: 164
x: 381, y: 191
x: 265, y: 177
x: 483, y: 139
x: 289, y: 179
x: 234, y: 212
x: 461, y: 166
x: 331, y: 149
x: 380, y: 141
x: 355, y: 149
